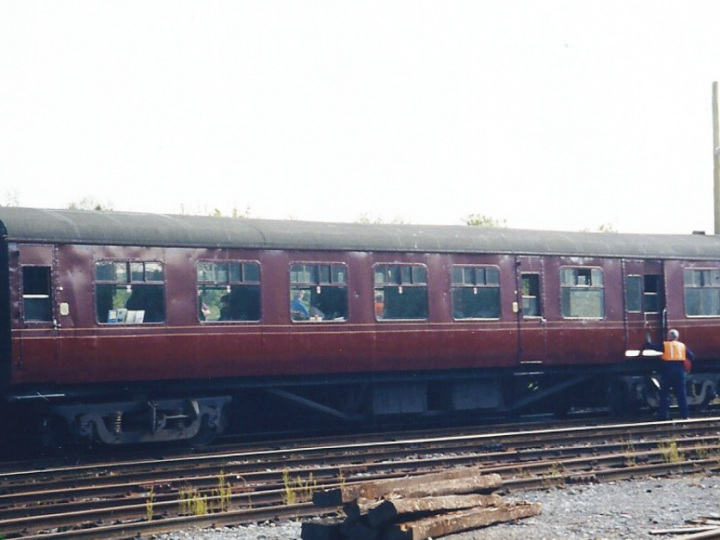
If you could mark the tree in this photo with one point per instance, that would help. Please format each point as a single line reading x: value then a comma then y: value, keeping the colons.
x: 90, y: 203
x: 10, y: 198
x: 481, y: 220
x: 215, y: 212
x: 367, y: 218
x: 604, y: 228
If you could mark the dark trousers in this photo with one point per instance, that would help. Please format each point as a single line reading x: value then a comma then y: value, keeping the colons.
x: 673, y: 378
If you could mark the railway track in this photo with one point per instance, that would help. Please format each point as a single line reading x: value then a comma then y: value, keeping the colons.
x: 230, y: 485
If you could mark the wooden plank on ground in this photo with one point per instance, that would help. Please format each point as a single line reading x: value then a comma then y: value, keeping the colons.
x: 401, y: 509
x: 436, y: 526
x: 375, y: 490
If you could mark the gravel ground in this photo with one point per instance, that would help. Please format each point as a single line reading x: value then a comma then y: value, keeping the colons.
x: 613, y: 511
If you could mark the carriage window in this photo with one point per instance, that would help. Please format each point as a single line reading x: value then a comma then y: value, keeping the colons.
x: 129, y: 292
x: 651, y: 293
x: 401, y: 292
x: 634, y: 293
x: 702, y: 293
x: 228, y: 291
x: 318, y: 292
x: 531, y: 295
x: 476, y: 292
x: 37, y: 297
x: 583, y: 293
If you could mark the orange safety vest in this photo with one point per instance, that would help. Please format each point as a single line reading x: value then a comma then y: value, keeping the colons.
x: 673, y: 351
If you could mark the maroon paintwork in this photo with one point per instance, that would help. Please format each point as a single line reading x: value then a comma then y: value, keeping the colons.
x: 78, y: 350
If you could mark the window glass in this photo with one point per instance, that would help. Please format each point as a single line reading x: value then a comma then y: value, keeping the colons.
x: 105, y: 271
x: 137, y: 272
x: 338, y: 274
x: 634, y: 292
x: 582, y: 293
x: 154, y: 272
x: 251, y: 272
x: 702, y: 293
x: 318, y: 292
x: 402, y: 294
x: 419, y: 275
x: 531, y: 295
x: 651, y: 295
x: 129, y: 292
x: 472, y: 296
x: 37, y: 297
x: 228, y: 291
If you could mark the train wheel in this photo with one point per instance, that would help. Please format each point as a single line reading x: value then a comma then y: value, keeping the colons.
x: 206, y: 434
x: 53, y: 433
x: 619, y: 400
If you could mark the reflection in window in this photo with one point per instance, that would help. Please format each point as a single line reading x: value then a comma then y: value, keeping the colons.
x: 228, y: 291
x: 634, y: 293
x: 651, y: 294
x: 401, y: 292
x: 531, y: 295
x: 476, y: 292
x: 129, y: 292
x: 37, y: 302
x: 318, y: 292
x: 583, y: 293
x: 702, y: 293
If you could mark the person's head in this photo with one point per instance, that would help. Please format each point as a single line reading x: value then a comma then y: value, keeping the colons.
x: 673, y: 335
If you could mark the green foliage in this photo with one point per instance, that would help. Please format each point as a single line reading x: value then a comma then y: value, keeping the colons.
x: 297, y: 490
x: 215, y: 212
x: 671, y: 453
x: 481, y: 220
x: 90, y: 203
x: 223, y: 493
x: 149, y: 503
x: 604, y: 228
x: 192, y: 503
x: 367, y: 218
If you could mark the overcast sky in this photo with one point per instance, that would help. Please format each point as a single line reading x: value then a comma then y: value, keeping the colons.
x: 561, y: 115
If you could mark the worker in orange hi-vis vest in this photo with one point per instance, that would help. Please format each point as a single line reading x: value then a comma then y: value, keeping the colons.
x: 674, y: 354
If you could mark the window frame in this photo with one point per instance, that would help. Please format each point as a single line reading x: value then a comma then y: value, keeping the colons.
x: 319, y: 284
x: 539, y: 297
x: 131, y: 283
x: 641, y: 294
x: 475, y: 286
x: 699, y: 287
x: 50, y: 296
x: 589, y: 287
x: 228, y: 287
x: 400, y: 286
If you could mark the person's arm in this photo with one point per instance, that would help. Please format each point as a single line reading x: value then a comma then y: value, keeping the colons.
x: 689, y: 354
x: 653, y: 346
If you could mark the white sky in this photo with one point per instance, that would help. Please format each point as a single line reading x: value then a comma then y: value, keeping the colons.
x: 550, y: 115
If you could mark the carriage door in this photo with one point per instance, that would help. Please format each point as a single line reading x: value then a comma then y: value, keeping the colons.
x: 34, y: 283
x: 532, y: 327
x: 644, y: 302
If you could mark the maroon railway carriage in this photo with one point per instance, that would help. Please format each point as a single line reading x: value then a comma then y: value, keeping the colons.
x: 136, y: 327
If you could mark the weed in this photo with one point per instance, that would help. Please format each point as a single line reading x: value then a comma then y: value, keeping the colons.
x: 223, y: 493
x: 149, y: 503
x: 630, y: 455
x: 192, y: 503
x: 702, y: 452
x: 297, y: 490
x: 341, y: 478
x: 670, y: 452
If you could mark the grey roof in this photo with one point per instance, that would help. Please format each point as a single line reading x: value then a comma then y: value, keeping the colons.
x: 122, y: 228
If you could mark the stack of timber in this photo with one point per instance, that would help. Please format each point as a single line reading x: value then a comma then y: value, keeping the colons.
x: 416, y: 507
